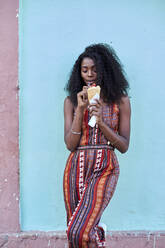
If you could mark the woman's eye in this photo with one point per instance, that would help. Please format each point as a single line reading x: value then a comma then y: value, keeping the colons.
x: 84, y: 71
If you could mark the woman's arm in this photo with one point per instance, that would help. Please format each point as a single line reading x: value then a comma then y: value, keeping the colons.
x: 72, y: 125
x: 120, y: 140
x: 73, y: 122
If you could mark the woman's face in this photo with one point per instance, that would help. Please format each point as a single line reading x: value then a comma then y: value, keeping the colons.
x: 88, y: 71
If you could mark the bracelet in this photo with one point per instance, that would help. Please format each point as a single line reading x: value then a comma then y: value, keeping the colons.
x: 110, y: 143
x: 78, y: 133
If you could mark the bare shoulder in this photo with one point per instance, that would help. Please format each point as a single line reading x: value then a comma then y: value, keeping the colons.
x: 125, y: 103
x: 68, y: 103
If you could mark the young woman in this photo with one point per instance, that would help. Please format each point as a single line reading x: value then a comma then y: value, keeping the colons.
x: 92, y: 169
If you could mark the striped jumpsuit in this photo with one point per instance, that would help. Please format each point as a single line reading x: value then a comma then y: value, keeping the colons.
x: 90, y: 179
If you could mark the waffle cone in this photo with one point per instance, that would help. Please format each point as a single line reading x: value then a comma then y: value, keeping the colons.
x: 92, y: 92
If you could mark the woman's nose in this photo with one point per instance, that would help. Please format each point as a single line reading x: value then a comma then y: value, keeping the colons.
x: 89, y: 73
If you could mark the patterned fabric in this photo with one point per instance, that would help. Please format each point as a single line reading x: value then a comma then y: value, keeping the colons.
x: 94, y: 135
x: 90, y: 179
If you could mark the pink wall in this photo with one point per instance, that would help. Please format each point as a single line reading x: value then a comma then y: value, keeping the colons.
x: 9, y: 121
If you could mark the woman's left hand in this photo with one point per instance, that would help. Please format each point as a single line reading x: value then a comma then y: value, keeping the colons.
x: 96, y: 110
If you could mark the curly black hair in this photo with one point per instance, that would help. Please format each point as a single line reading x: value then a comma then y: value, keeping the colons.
x: 110, y: 74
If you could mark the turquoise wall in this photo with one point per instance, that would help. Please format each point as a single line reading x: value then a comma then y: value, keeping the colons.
x: 51, y: 36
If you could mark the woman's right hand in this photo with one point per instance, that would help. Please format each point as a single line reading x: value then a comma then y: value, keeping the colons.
x: 82, y: 98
